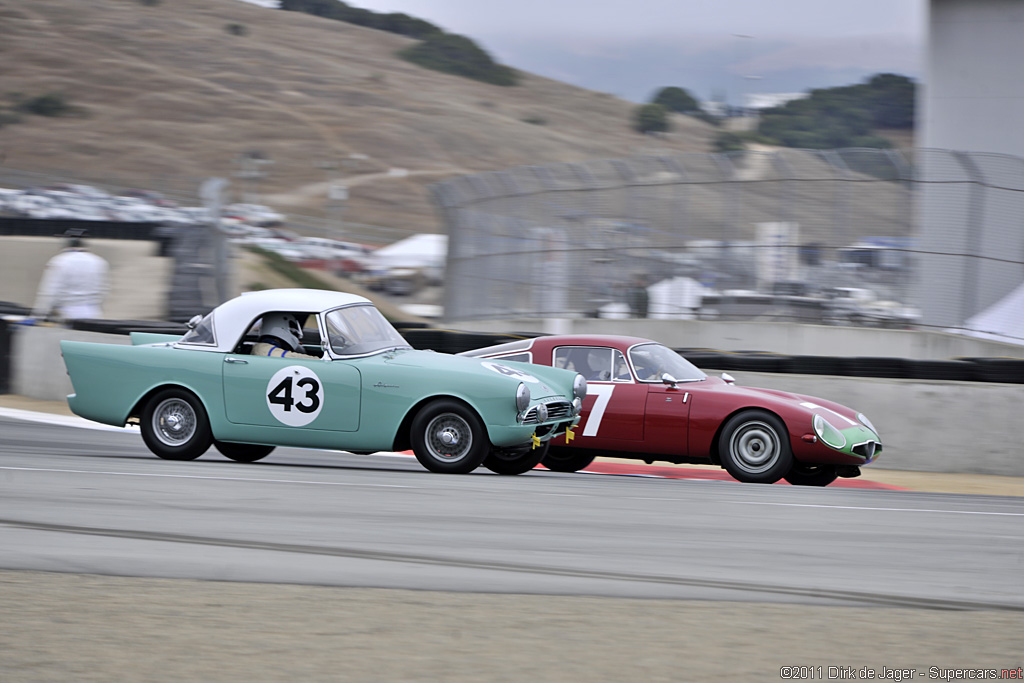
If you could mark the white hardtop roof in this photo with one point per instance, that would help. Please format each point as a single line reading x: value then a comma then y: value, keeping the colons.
x: 231, y: 316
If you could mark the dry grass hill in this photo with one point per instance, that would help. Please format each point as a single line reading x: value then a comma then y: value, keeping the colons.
x: 170, y: 92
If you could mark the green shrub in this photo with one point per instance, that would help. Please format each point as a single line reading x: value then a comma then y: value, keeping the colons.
x: 650, y: 118
x: 458, y: 55
x: 677, y: 100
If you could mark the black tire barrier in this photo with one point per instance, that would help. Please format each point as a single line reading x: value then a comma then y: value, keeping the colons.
x: 871, y: 366
x: 1004, y: 370
x: 111, y: 230
x: 709, y: 360
x: 128, y: 326
x: 757, y: 362
x: 947, y: 370
x: 814, y: 365
x: 5, y: 357
x: 9, y: 308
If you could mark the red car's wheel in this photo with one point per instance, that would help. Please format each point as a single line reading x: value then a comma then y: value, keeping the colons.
x: 502, y: 461
x: 804, y: 474
x: 560, y: 459
x: 754, y: 447
x: 174, y: 425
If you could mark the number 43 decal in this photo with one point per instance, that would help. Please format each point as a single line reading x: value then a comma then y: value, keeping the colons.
x: 295, y: 395
x: 604, y: 395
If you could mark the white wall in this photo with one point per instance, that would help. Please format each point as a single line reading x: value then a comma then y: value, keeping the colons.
x: 973, y: 93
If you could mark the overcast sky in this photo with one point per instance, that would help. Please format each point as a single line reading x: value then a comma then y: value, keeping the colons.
x: 713, y: 48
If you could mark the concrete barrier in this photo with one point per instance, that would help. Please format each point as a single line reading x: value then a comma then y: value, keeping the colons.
x: 926, y: 425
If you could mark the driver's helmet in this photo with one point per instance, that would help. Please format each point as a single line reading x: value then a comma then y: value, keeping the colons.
x: 285, y: 327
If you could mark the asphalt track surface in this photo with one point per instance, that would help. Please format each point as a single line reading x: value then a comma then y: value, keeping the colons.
x: 115, y: 565
x: 95, y: 501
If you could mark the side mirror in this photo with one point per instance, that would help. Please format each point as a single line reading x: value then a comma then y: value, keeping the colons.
x: 669, y: 380
x: 194, y: 321
x: 728, y: 379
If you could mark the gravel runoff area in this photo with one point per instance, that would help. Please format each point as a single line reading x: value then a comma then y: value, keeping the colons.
x: 72, y: 627
x: 67, y: 627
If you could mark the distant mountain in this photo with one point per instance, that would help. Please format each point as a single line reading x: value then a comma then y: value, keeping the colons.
x: 173, y: 91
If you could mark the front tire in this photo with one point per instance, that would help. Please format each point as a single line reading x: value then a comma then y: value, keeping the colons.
x: 501, y: 461
x: 561, y: 459
x: 243, y: 452
x: 754, y: 447
x: 175, y: 426
x: 448, y: 437
x: 805, y: 474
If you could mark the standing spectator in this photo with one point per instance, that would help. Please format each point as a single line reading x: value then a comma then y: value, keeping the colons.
x: 637, y: 296
x: 74, y: 283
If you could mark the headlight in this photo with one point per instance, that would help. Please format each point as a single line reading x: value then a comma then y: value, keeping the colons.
x: 522, y: 397
x: 866, y: 422
x: 577, y: 405
x: 579, y: 386
x: 827, y: 433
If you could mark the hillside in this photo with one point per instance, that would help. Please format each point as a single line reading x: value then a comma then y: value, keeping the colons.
x: 172, y: 96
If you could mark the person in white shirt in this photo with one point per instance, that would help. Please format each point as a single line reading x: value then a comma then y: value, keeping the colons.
x: 74, y: 283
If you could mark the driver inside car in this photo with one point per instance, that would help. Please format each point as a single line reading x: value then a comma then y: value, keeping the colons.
x: 280, y: 337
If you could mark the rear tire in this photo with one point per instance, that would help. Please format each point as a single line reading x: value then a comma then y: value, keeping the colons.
x: 175, y: 426
x: 754, y: 447
x: 562, y: 459
x: 449, y: 438
x: 243, y: 452
x: 805, y: 474
x: 501, y: 461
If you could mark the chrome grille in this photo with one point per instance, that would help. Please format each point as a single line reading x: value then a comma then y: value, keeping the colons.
x: 557, y: 410
x: 866, y: 449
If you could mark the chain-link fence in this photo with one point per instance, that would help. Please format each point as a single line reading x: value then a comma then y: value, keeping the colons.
x: 817, y: 236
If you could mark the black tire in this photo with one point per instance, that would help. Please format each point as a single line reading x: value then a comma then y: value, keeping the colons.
x: 175, y: 426
x: 754, y: 447
x: 806, y: 474
x: 243, y: 452
x: 562, y: 459
x: 449, y: 438
x: 503, y: 461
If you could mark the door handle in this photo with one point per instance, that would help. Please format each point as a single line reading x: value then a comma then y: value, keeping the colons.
x: 229, y: 359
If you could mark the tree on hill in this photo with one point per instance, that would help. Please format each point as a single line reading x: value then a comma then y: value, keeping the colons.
x: 650, y: 118
x: 843, y: 117
x: 459, y: 55
x: 676, y: 99
x: 447, y: 52
x: 395, y: 22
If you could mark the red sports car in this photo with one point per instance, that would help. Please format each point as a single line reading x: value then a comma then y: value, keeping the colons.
x: 645, y: 401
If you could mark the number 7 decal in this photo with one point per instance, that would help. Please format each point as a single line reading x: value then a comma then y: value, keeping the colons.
x: 604, y: 395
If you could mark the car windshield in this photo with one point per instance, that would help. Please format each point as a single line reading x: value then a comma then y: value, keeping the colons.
x: 356, y: 330
x: 651, y: 361
x: 202, y: 333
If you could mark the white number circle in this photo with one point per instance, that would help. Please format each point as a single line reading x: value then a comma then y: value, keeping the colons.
x: 509, y: 372
x: 295, y: 395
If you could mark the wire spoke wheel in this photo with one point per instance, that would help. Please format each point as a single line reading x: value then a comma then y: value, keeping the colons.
x: 174, y: 422
x: 448, y: 436
x: 175, y: 426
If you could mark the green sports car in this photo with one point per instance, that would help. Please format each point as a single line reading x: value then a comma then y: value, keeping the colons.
x: 363, y: 390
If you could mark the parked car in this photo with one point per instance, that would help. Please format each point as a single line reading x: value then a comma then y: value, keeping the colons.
x: 645, y: 401
x: 367, y: 390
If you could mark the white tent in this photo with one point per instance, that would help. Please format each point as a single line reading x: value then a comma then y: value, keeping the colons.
x: 418, y: 251
x: 1002, y: 321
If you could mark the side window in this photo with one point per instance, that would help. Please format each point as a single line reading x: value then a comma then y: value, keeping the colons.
x: 593, y: 363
